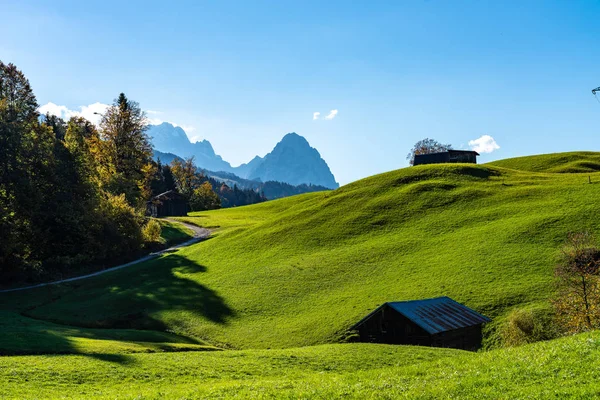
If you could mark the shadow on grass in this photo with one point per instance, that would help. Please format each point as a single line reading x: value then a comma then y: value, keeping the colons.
x: 126, y: 305
x: 169, y: 284
x: 128, y: 299
x: 122, y: 359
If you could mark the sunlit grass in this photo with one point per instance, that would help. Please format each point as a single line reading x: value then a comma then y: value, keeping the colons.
x: 302, y: 270
x: 563, y: 368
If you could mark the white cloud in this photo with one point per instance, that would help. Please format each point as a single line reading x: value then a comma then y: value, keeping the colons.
x: 484, y: 144
x: 54, y: 109
x: 332, y: 114
x: 316, y: 115
x: 93, y: 113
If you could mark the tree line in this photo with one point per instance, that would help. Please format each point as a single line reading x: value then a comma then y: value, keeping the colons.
x: 72, y: 193
x: 201, y: 191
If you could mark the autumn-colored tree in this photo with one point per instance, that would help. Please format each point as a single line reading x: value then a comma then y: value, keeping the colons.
x: 186, y: 176
x: 54, y: 213
x: 204, y: 198
x: 578, y: 278
x: 426, y: 146
x: 127, y: 150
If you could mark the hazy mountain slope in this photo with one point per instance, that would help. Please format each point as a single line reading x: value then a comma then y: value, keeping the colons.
x: 245, y: 170
x: 167, y: 138
x: 292, y: 160
x: 302, y: 270
x: 295, y: 162
x: 165, y: 158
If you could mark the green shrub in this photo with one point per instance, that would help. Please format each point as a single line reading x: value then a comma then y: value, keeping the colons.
x: 529, y: 325
x: 121, y: 227
x: 151, y: 231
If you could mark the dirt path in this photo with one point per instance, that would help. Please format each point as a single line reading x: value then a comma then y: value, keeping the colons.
x: 199, y: 234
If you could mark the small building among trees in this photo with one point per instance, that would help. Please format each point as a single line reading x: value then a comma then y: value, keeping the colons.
x: 448, y: 156
x: 437, y: 322
x: 167, y: 204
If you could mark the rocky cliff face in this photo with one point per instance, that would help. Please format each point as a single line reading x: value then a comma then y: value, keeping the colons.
x: 295, y: 162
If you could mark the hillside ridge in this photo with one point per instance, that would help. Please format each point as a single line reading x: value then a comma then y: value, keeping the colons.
x: 484, y: 235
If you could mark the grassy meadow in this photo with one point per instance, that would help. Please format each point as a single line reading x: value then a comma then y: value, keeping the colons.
x: 562, y: 368
x: 295, y: 272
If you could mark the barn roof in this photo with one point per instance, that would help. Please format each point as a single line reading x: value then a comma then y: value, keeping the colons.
x: 449, y: 151
x: 435, y: 315
x: 463, y: 151
x: 170, y: 194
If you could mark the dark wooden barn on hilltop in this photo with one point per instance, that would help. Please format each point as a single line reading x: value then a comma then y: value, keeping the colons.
x: 438, y: 322
x: 167, y: 204
x: 450, y: 156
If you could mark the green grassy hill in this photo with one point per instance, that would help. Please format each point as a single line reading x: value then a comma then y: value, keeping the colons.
x: 300, y: 271
x: 558, y: 369
x: 573, y: 162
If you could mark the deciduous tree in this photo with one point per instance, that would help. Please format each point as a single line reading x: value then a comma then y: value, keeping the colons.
x: 126, y: 149
x: 578, y: 277
x: 204, y: 198
x: 426, y: 146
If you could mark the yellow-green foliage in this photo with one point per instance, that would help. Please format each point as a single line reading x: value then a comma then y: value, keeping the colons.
x: 152, y: 231
x: 121, y: 226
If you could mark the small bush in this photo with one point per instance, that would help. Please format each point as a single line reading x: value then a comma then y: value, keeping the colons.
x: 151, y: 232
x: 529, y: 325
x: 121, y: 233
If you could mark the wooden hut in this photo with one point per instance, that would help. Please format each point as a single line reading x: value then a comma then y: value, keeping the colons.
x: 438, y: 322
x: 450, y: 156
x: 167, y: 204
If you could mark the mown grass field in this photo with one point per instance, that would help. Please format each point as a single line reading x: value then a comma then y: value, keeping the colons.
x: 300, y: 271
x: 564, y: 368
x: 572, y: 162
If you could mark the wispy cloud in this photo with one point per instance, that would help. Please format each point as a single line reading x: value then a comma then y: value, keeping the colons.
x: 484, y: 144
x: 93, y: 113
x: 332, y: 114
x: 316, y: 115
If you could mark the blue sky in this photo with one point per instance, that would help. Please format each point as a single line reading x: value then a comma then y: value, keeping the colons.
x: 243, y: 73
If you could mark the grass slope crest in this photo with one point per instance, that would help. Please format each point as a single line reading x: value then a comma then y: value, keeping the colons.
x: 300, y: 271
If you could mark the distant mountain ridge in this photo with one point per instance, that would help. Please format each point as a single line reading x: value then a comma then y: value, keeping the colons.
x: 271, y: 189
x: 168, y: 138
x: 292, y: 161
x: 295, y: 162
